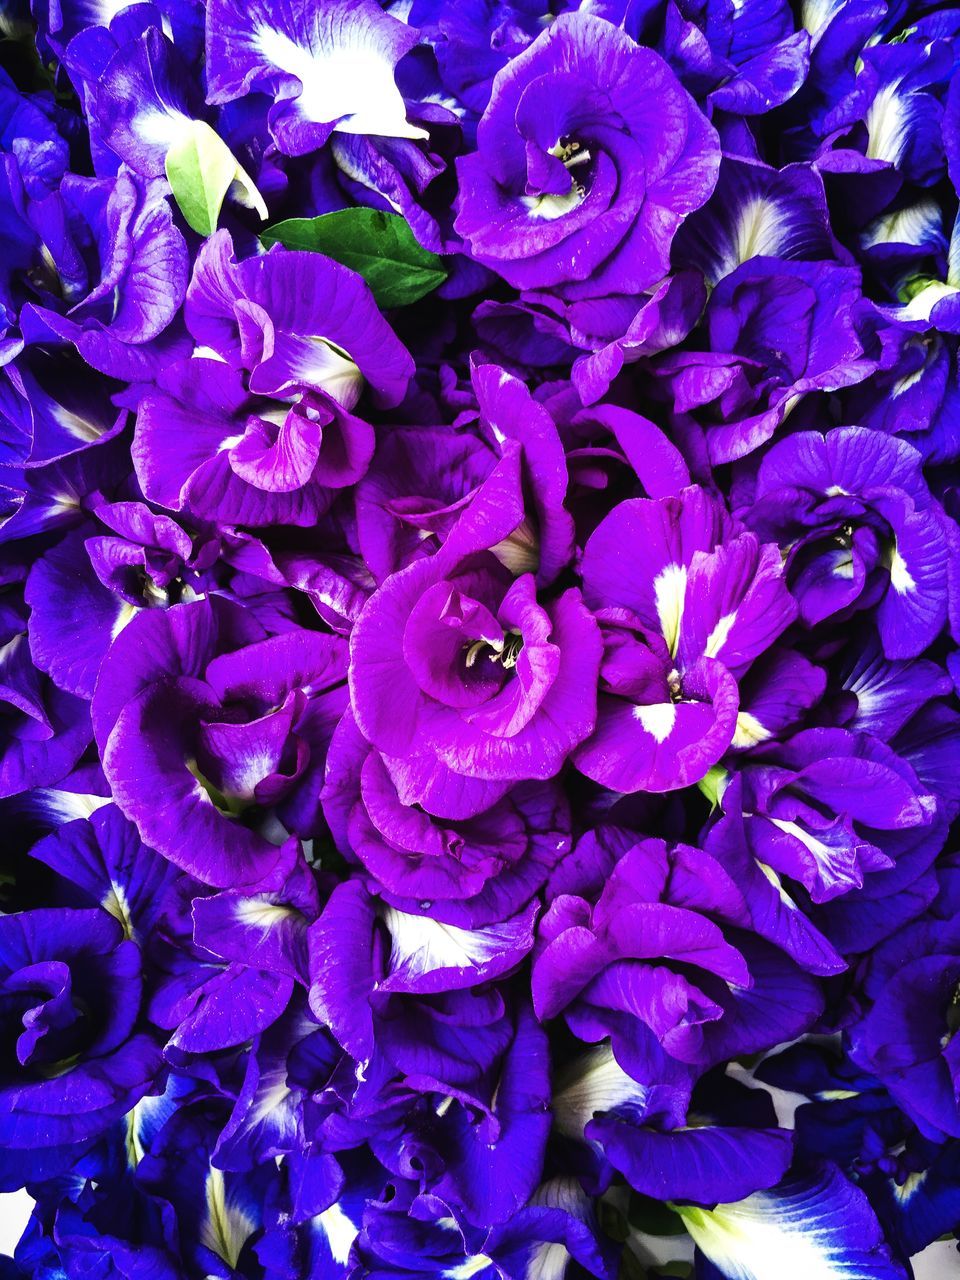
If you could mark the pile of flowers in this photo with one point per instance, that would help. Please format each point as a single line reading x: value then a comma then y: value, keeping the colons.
x: 478, y: 668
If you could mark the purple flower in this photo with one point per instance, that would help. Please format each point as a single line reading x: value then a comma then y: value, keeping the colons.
x: 774, y: 330
x: 459, y: 675
x: 268, y: 419
x: 46, y: 729
x: 657, y: 958
x: 589, y: 156
x: 293, y: 319
x: 227, y: 721
x: 843, y: 828
x: 427, y: 486
x: 75, y: 1061
x: 680, y: 625
x: 328, y: 70
x: 854, y: 514
x: 85, y: 589
x: 907, y: 1038
x: 467, y: 871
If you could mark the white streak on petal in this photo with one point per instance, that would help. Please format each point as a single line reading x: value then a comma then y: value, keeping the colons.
x: 475, y: 1263
x: 339, y: 1230
x: 760, y: 230
x: 922, y: 303
x: 549, y: 207
x: 886, y: 123
x: 225, y: 1228
x: 592, y: 1083
x: 900, y: 576
x: 115, y: 901
x: 816, y: 14
x: 657, y: 719
x: 548, y: 1262
x: 77, y: 426
x: 916, y: 224
x: 350, y: 82
x: 749, y: 731
x: 669, y: 589
x: 260, y: 913
x: 719, y: 635
x: 425, y: 944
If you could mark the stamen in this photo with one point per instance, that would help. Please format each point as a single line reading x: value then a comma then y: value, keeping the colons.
x: 505, y: 651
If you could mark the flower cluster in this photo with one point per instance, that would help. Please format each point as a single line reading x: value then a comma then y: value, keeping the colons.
x: 479, y: 637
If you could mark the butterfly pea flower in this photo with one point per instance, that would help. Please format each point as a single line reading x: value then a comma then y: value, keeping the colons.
x: 558, y: 1223
x: 470, y: 49
x: 399, y: 991
x: 65, y: 445
x: 618, y: 332
x: 423, y: 482
x: 907, y: 1037
x: 225, y: 720
x: 76, y: 1057
x: 30, y: 135
x: 744, y: 61
x: 894, y: 114
x: 774, y: 330
x: 757, y: 211
x: 860, y: 529
x: 845, y: 819
x: 682, y: 621
x: 267, y: 400
x: 221, y: 1215
x: 46, y: 729
x: 85, y: 589
x: 59, y: 24
x: 851, y: 1119
x: 589, y: 156
x: 107, y: 1222
x: 328, y: 71
x: 816, y: 1214
x: 466, y: 871
x: 457, y: 667
x: 472, y: 1128
x: 100, y: 861
x: 97, y: 262
x: 657, y: 956
x: 612, y: 453
x: 727, y: 1149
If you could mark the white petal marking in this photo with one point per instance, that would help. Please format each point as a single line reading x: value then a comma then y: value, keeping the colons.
x: 226, y: 1228
x: 351, y: 83
x: 657, y: 719
x: 719, y: 635
x: 749, y: 731
x: 425, y: 944
x: 339, y: 1230
x: 593, y: 1082
x: 669, y: 590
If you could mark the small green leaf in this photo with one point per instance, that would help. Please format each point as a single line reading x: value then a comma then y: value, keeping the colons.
x: 201, y: 169
x: 378, y: 246
x: 713, y: 784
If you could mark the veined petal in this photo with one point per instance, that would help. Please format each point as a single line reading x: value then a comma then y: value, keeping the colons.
x: 815, y: 1226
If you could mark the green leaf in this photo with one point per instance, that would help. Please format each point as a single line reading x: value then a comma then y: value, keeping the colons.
x: 378, y: 246
x: 713, y: 784
x: 201, y: 170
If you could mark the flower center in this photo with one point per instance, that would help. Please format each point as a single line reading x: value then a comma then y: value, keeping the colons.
x: 570, y: 152
x: 505, y: 651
